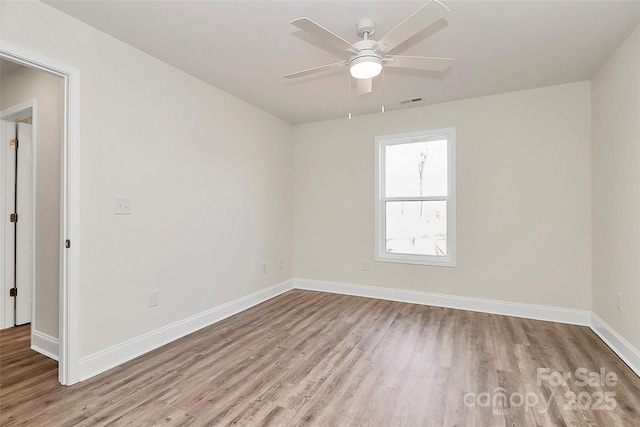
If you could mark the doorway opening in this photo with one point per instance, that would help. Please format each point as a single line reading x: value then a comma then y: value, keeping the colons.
x: 67, y: 241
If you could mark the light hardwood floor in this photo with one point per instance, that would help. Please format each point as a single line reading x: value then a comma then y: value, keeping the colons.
x: 317, y: 359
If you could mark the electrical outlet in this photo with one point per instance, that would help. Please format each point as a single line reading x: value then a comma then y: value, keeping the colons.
x: 619, y: 302
x: 281, y: 264
x: 122, y: 206
x: 154, y: 298
x: 264, y: 268
x: 365, y: 265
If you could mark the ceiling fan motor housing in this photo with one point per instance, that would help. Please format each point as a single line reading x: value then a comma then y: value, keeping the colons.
x: 366, y: 48
x: 367, y: 53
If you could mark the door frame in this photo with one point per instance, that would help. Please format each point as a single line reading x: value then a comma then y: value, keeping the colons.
x: 15, y: 114
x: 68, y: 333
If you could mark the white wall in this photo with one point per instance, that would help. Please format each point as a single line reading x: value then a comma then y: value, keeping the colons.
x: 17, y: 87
x: 523, y: 198
x: 616, y: 189
x: 210, y: 178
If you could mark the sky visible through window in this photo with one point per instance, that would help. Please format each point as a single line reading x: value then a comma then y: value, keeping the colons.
x: 414, y: 171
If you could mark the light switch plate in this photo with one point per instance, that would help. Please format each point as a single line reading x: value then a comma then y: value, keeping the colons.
x: 122, y: 206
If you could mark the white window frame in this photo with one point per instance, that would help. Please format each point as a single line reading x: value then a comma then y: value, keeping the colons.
x: 380, y: 233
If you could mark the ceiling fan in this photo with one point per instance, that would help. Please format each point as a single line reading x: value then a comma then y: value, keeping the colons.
x: 366, y: 57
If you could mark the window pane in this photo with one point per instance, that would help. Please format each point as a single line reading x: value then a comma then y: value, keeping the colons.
x: 416, y: 228
x: 416, y: 169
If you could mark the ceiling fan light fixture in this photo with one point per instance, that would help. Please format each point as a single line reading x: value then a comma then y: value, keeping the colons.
x: 365, y: 67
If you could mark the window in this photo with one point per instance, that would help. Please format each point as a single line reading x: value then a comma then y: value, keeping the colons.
x: 415, y: 198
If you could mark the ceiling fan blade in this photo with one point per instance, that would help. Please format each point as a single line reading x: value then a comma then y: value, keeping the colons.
x: 426, y: 63
x: 316, y: 70
x: 409, y: 27
x: 318, y: 30
x: 364, y: 86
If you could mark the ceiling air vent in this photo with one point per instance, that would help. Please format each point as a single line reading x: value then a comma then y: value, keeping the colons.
x: 410, y: 101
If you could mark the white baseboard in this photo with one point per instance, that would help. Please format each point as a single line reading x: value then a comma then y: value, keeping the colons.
x: 45, y: 344
x: 620, y: 346
x: 104, y: 360
x: 529, y: 311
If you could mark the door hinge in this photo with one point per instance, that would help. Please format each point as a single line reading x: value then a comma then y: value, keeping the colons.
x: 13, y: 292
x: 13, y: 217
x: 67, y: 243
x: 13, y: 144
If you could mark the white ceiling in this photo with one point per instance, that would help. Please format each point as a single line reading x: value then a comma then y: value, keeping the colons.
x: 244, y: 47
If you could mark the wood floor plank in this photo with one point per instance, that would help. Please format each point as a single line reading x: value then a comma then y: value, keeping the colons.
x: 316, y: 359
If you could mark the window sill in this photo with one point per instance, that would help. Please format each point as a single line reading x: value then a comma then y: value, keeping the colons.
x: 416, y: 260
